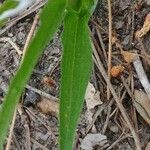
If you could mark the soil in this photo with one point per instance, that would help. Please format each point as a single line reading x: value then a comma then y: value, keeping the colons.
x: 36, y: 130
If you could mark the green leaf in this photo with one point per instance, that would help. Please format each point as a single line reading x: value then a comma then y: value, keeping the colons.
x: 8, y: 4
x: 80, y: 5
x: 51, y: 18
x: 75, y: 4
x: 88, y: 6
x: 76, y: 69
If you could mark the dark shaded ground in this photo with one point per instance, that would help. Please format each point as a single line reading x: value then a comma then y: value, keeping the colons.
x: 39, y: 131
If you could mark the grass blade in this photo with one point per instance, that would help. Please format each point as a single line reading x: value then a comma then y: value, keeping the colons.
x: 76, y: 68
x: 51, y: 18
x: 75, y: 4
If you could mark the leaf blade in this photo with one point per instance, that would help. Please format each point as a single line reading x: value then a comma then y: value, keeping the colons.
x: 76, y: 60
x: 56, y: 10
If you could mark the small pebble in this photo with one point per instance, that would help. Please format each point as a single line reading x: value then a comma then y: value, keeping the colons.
x: 114, y: 128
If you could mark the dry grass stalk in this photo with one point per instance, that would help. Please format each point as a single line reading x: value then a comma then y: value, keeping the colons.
x: 119, y: 104
x: 11, y: 132
x: 31, y: 32
x: 110, y: 45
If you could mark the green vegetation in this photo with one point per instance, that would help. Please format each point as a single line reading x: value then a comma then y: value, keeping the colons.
x: 76, y: 64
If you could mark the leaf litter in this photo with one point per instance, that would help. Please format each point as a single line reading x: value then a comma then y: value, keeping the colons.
x: 92, y: 140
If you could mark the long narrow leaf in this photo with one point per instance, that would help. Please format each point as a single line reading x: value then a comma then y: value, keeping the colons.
x: 76, y: 68
x: 75, y: 4
x: 51, y: 18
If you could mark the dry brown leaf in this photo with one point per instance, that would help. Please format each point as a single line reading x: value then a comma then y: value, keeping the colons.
x: 92, y: 140
x: 92, y: 97
x: 147, y: 2
x: 142, y: 75
x: 147, y: 146
x: 129, y: 57
x: 116, y: 70
x: 145, y: 28
x: 48, y: 106
x: 142, y: 105
x: 114, y: 40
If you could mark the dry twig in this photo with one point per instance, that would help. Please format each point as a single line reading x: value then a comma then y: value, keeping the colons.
x: 16, y: 142
x: 28, y: 138
x: 38, y: 144
x: 110, y: 45
x: 119, y: 104
x: 107, y: 118
x: 50, y: 97
x: 11, y: 131
x: 36, y: 18
x: 98, y: 112
x: 7, y: 39
x: 101, y: 42
x: 118, y: 140
x: 30, y: 113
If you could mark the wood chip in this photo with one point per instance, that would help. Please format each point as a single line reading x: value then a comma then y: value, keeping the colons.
x: 129, y: 57
x: 92, y: 140
x: 48, y: 106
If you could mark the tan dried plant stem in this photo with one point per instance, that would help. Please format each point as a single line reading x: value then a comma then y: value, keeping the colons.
x: 110, y: 45
x: 11, y: 131
x: 116, y: 98
x: 31, y: 32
